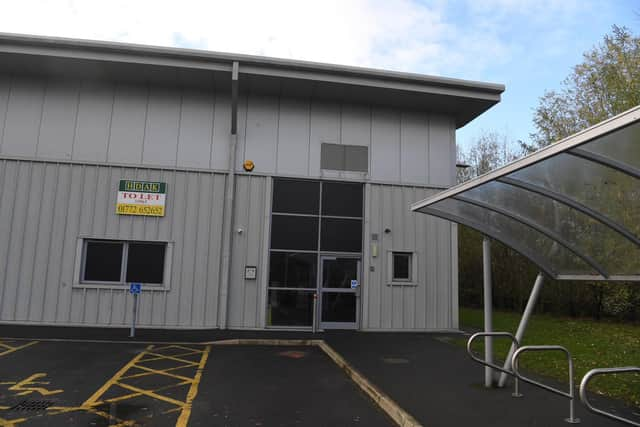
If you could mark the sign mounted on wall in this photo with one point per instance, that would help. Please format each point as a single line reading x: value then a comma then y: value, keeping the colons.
x: 141, y: 198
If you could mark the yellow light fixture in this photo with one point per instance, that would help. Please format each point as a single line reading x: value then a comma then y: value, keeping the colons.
x: 248, y: 165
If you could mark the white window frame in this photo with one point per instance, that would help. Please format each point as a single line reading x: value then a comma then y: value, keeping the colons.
x: 81, y: 249
x: 413, y: 268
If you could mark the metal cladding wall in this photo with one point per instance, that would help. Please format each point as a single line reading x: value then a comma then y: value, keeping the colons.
x: 46, y: 207
x: 95, y: 121
x: 430, y: 302
x: 65, y: 144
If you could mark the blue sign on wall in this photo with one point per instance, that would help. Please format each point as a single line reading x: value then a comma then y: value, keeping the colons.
x: 135, y: 288
x: 354, y: 284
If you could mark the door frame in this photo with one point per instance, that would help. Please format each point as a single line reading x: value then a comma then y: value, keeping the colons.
x: 320, y: 290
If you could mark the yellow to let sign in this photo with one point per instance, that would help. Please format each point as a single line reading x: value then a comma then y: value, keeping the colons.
x: 128, y: 209
x: 141, y: 198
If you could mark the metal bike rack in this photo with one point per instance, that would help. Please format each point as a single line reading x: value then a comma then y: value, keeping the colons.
x: 570, y: 395
x: 516, y: 391
x: 602, y: 371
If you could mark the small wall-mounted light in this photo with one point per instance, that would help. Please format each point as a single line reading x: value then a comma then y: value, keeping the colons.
x: 239, y: 230
x: 387, y: 230
x: 248, y: 165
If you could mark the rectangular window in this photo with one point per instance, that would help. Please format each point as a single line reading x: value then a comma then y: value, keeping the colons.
x: 401, y: 267
x: 294, y: 232
x: 296, y: 196
x: 342, y: 199
x: 341, y: 235
x: 292, y: 270
x: 122, y: 262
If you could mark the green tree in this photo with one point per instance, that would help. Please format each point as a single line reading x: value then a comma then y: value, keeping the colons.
x: 606, y: 83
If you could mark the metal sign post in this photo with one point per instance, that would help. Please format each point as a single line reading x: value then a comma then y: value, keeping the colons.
x: 134, y: 289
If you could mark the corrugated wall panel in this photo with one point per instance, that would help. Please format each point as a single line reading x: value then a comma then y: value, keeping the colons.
x: 441, y: 162
x: 5, y: 90
x: 324, y: 127
x: 262, y: 132
x: 385, y: 145
x: 414, y: 143
x: 293, y: 137
x: 93, y: 122
x: 61, y: 203
x: 163, y: 122
x: 428, y: 304
x: 128, y: 123
x: 152, y: 125
x: 245, y: 305
x: 221, y: 132
x: 58, y: 120
x: 23, y: 117
x: 196, y: 128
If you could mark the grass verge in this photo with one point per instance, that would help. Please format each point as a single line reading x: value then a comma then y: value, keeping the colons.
x: 593, y: 344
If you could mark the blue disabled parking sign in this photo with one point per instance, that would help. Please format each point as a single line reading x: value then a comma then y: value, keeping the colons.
x: 135, y: 288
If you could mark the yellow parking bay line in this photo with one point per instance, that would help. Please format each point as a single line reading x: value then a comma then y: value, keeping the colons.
x: 6, y: 348
x: 139, y: 363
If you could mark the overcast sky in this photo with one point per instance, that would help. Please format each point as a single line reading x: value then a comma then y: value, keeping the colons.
x: 530, y: 46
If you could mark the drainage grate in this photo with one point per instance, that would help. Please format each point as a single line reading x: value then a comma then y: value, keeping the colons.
x: 32, y: 405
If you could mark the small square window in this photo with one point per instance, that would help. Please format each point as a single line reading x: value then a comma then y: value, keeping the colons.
x: 401, y: 266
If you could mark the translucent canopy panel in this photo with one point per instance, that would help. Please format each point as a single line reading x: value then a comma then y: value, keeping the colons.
x: 573, y: 208
x: 621, y: 145
x: 547, y: 253
x: 610, y: 250
x: 608, y: 191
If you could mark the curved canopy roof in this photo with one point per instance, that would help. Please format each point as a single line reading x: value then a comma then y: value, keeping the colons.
x: 572, y: 208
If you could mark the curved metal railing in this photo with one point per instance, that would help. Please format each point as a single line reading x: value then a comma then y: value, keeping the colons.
x: 602, y: 371
x: 516, y: 391
x: 569, y: 395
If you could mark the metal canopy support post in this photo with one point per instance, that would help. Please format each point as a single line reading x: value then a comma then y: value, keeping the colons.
x: 522, y: 327
x: 488, y: 309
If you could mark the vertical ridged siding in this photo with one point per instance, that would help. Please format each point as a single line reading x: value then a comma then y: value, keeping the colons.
x: 45, y: 207
x: 159, y: 126
x: 431, y: 303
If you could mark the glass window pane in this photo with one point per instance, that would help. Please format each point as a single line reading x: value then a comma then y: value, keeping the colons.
x: 591, y: 237
x: 339, y: 272
x: 341, y: 235
x: 145, y: 262
x: 401, y: 266
x: 534, y: 244
x: 338, y: 307
x: 291, y: 196
x: 622, y: 145
x: 292, y: 270
x: 342, y: 199
x: 103, y: 261
x: 290, y: 308
x: 294, y: 232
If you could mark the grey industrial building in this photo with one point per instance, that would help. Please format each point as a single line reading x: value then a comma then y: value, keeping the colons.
x: 235, y: 188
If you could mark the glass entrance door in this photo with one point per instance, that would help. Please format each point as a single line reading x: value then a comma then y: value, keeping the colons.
x: 339, y: 292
